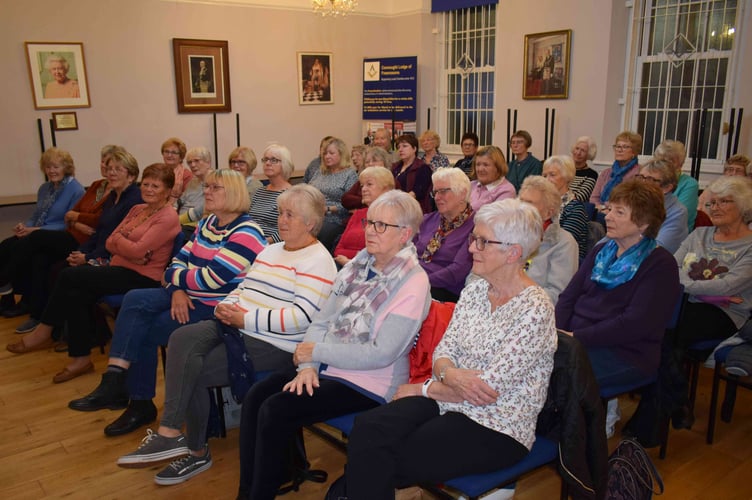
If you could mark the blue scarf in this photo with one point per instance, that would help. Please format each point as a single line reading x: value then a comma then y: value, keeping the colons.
x: 611, y: 271
x: 617, y: 175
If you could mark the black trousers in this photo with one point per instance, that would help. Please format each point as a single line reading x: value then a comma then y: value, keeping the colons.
x: 75, y: 295
x: 407, y: 442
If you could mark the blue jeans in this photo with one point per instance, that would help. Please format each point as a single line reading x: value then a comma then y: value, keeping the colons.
x: 142, y: 325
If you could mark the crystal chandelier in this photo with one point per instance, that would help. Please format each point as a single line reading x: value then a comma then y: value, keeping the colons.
x: 334, y: 8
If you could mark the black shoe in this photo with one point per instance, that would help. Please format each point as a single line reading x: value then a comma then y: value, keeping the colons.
x: 18, y: 310
x: 111, y: 393
x: 138, y: 413
x: 682, y: 418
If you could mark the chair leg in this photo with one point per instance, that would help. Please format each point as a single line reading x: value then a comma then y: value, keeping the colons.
x: 664, y: 428
x: 727, y: 408
x: 163, y: 350
x: 221, y: 410
x: 694, y: 377
x: 713, y: 402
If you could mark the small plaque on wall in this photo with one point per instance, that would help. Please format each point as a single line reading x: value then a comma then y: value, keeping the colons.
x: 65, y: 121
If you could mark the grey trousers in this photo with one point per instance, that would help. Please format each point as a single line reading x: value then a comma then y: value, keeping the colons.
x: 197, y: 360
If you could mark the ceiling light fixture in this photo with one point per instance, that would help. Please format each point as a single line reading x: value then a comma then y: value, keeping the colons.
x: 334, y: 8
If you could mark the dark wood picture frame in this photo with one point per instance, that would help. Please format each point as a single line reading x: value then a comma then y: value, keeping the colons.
x: 65, y: 121
x: 202, y: 75
x: 71, y: 88
x: 546, y: 65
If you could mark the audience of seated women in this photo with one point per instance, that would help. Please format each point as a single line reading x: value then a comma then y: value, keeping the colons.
x: 554, y: 263
x: 269, y: 314
x: 54, y: 199
x: 49, y: 251
x: 334, y: 178
x: 173, y: 154
x: 412, y: 175
x: 208, y: 267
x: 375, y: 181
x: 278, y: 167
x: 491, y: 373
x: 687, y: 189
x: 243, y: 160
x: 524, y: 162
x: 140, y: 247
x: 489, y: 170
x: 362, y: 335
x: 441, y: 242
x: 627, y: 146
x: 430, y: 142
x: 674, y: 228
x: 573, y: 217
x: 191, y: 202
x: 584, y: 149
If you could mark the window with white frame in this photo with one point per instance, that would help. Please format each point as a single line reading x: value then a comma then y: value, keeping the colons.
x: 468, y: 79
x: 684, y: 52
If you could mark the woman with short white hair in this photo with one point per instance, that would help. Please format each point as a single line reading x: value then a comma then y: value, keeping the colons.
x: 584, y: 149
x: 560, y: 171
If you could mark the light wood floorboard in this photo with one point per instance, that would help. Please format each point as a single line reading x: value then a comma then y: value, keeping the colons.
x: 49, y: 451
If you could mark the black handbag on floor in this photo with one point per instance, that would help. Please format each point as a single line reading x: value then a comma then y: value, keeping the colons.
x: 631, y: 473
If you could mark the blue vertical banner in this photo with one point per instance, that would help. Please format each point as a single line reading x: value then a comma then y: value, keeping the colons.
x: 390, y: 88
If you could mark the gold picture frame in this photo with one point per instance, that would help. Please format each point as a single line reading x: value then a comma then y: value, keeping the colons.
x: 546, y: 65
x: 57, y: 73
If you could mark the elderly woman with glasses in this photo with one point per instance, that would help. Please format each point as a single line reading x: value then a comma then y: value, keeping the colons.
x: 491, y: 374
x: 584, y: 149
x: 573, y: 218
x: 278, y: 167
x: 627, y: 146
x: 524, y: 162
x: 736, y: 166
x: 362, y: 336
x: 430, y: 142
x: 412, y: 174
x: 173, y: 153
x: 674, y: 227
x: 442, y: 239
x: 242, y: 159
x: 206, y: 269
x: 191, y: 202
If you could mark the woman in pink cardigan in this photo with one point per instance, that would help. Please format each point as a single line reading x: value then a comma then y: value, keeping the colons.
x: 140, y: 247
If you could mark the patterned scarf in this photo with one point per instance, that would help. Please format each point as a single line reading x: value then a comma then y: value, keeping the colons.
x: 446, y: 227
x: 53, y: 192
x: 617, y: 175
x: 363, y: 296
x: 611, y: 271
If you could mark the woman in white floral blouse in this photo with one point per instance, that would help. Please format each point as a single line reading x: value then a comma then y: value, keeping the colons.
x: 490, y: 374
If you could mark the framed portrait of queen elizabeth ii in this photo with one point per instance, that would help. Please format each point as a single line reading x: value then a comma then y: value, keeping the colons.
x: 57, y: 72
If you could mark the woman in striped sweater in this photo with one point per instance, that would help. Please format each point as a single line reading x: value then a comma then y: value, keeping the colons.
x: 205, y: 270
x: 286, y: 286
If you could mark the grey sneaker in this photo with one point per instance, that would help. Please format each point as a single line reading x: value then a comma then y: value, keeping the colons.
x: 27, y: 326
x: 154, y: 448
x: 183, y: 469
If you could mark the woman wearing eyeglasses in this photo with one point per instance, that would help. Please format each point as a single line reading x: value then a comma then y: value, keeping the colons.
x: 242, y: 159
x: 736, y: 166
x: 441, y: 242
x: 627, y: 146
x: 173, y: 153
x: 278, y: 167
x: 524, y: 163
x: 491, y: 374
x: 191, y: 202
x: 412, y: 174
x: 674, y: 227
x: 207, y: 268
x: 362, y: 335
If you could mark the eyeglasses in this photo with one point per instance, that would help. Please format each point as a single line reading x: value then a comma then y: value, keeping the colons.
x: 480, y: 242
x: 515, y: 143
x: 468, y: 144
x: 170, y: 152
x: 192, y: 161
x: 647, y: 178
x: 378, y: 226
x: 241, y: 162
x: 273, y: 161
x: 437, y: 192
x: 212, y: 187
x: 117, y: 170
x: 720, y: 203
x: 621, y: 147
x: 734, y: 170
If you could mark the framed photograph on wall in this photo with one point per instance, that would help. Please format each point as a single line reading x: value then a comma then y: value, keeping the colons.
x: 546, y: 71
x: 57, y: 72
x: 202, y: 75
x: 315, y: 73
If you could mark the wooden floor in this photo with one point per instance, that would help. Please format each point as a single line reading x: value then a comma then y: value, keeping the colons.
x: 49, y: 451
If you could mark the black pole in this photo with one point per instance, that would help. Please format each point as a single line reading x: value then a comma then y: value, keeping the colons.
x: 693, y: 148
x: 41, y: 133
x: 701, y: 141
x: 514, y: 123
x: 428, y: 118
x: 393, y: 131
x: 216, y: 160
x: 551, y: 133
x: 509, y: 132
x: 545, y: 138
x: 52, y: 133
x: 738, y: 130
x: 730, y: 141
x: 237, y: 129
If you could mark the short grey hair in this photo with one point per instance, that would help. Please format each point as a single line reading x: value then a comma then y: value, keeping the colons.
x: 739, y: 189
x: 201, y: 153
x: 592, y: 146
x: 513, y: 221
x: 457, y: 179
x: 664, y: 168
x: 674, y: 152
x: 551, y: 197
x: 565, y: 165
x: 57, y: 58
x: 382, y: 175
x: 284, y: 154
x: 308, y: 202
x: 405, y: 207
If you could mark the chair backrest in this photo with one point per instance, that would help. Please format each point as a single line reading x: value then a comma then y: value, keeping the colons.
x: 431, y: 332
x: 702, y: 219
